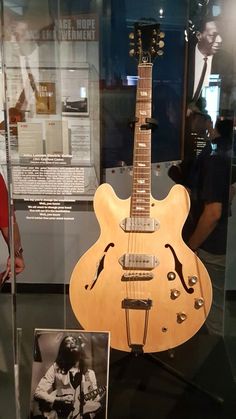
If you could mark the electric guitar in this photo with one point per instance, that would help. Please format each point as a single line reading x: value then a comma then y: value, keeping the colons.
x: 140, y: 281
x: 91, y: 404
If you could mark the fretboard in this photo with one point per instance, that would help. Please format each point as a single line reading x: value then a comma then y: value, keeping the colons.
x: 141, y: 188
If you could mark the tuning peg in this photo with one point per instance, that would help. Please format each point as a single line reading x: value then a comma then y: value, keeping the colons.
x: 160, y: 52
x: 131, y: 35
x: 161, y: 44
x: 132, y: 53
x: 162, y: 34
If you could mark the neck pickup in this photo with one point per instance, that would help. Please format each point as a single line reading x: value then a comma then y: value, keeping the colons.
x: 139, y: 224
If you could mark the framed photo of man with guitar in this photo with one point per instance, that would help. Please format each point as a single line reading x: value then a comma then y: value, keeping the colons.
x: 69, y: 375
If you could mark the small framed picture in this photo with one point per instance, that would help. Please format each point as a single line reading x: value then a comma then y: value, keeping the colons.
x: 70, y: 374
x: 73, y: 107
x: 75, y: 92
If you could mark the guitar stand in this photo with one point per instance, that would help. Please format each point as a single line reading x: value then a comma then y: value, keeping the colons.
x: 182, y: 378
x: 137, y: 351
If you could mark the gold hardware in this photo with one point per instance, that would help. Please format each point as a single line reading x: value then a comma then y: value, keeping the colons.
x: 171, y: 276
x: 174, y: 293
x: 199, y: 302
x: 181, y: 317
x: 192, y: 280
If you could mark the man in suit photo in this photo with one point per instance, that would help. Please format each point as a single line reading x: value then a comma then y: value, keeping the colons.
x: 206, y: 56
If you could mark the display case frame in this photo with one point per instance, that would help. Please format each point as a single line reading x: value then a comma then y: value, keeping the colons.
x: 75, y: 152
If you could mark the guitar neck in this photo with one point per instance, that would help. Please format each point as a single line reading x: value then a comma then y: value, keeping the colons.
x: 141, y: 187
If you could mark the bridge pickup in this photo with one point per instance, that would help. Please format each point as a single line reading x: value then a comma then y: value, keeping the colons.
x: 138, y: 261
x: 139, y: 224
x: 139, y: 276
x: 131, y: 303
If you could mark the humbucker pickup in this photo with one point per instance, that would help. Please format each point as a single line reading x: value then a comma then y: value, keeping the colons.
x: 138, y: 261
x: 135, y: 304
x: 139, y: 224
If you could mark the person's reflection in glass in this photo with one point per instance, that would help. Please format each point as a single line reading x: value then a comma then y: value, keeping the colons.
x: 211, y: 195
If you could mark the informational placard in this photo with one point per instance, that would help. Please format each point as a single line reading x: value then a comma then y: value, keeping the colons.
x: 47, y: 180
x: 80, y: 139
x: 57, y: 137
x: 30, y: 138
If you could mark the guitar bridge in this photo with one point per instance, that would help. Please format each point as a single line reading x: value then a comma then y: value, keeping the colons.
x: 139, y: 276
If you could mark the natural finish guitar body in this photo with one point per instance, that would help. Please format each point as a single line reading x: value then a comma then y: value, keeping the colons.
x: 96, y: 297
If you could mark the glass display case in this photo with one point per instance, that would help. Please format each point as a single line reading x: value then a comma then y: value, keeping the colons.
x: 93, y: 93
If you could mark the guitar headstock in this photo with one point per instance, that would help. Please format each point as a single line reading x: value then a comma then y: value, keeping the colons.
x: 146, y: 42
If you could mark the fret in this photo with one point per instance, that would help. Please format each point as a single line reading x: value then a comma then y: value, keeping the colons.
x: 143, y: 198
x: 140, y: 196
x: 144, y: 171
x: 144, y: 205
x: 138, y: 186
x: 144, y: 132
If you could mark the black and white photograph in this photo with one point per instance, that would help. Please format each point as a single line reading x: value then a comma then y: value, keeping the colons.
x: 75, y: 91
x: 69, y: 375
